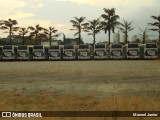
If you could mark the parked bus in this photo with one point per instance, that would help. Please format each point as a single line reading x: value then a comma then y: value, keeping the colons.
x: 116, y: 51
x: 131, y: 51
x: 70, y: 52
x: 24, y: 52
x: 149, y: 51
x: 40, y: 52
x: 85, y: 52
x: 1, y: 50
x: 55, y: 52
x: 101, y: 51
x: 9, y: 52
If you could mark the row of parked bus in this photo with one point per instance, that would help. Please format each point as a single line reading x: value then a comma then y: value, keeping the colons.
x: 80, y: 52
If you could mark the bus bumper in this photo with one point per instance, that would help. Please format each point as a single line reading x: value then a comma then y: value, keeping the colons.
x: 54, y: 58
x: 116, y: 57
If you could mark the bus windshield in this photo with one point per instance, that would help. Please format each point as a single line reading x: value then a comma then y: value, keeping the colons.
x: 83, y: 46
x: 151, y: 46
x: 22, y: 47
x: 133, y: 46
x: 99, y: 46
x: 68, y: 47
x: 54, y: 47
x: 38, y: 47
x: 7, y: 47
x: 116, y: 46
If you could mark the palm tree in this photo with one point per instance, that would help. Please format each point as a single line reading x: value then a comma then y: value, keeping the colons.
x: 156, y: 25
x: 144, y: 32
x: 22, y: 33
x: 126, y: 28
x: 110, y: 21
x: 49, y: 33
x: 37, y: 32
x: 94, y: 28
x: 79, y: 26
x: 9, y: 26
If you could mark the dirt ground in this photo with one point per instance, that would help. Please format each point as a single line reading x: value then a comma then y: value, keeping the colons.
x: 116, y: 85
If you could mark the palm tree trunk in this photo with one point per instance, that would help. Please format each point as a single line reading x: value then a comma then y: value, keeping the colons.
x: 126, y: 41
x: 79, y: 41
x: 64, y: 39
x: 23, y: 38
x: 109, y: 34
x: 10, y: 33
x: 36, y: 39
x: 50, y: 38
x: 94, y: 39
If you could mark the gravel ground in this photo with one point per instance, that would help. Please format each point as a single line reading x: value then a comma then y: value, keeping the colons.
x: 99, y: 78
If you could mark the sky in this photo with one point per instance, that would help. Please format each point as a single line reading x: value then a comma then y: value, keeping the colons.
x: 58, y: 13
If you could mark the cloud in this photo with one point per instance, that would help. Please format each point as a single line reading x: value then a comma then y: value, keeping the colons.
x: 7, y: 7
x: 39, y: 5
x: 20, y: 15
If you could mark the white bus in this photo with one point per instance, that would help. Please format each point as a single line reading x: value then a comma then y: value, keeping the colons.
x: 101, y: 51
x: 1, y: 50
x: 40, y: 52
x: 116, y: 51
x: 149, y: 51
x: 55, y: 52
x: 70, y: 52
x: 85, y: 52
x: 24, y: 52
x: 131, y: 51
x: 9, y: 52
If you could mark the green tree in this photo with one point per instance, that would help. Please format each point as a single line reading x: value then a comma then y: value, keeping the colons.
x: 22, y: 33
x: 49, y: 33
x: 143, y: 34
x: 125, y: 28
x: 156, y: 24
x: 37, y: 32
x: 79, y: 26
x: 94, y: 28
x: 110, y: 21
x: 9, y: 25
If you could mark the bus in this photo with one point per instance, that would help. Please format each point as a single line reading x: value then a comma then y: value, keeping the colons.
x: 55, y: 52
x: 101, y: 51
x: 116, y: 51
x: 9, y: 52
x: 40, y: 52
x: 149, y: 51
x: 1, y: 50
x: 85, y: 52
x: 131, y: 51
x: 69, y: 52
x: 24, y: 52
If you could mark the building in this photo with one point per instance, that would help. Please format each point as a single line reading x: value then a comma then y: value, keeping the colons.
x: 72, y: 41
x: 116, y: 38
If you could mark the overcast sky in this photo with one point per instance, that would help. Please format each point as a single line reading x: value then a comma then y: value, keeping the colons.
x: 58, y: 13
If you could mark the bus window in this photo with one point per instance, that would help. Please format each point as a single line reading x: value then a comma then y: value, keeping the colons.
x: 99, y: 46
x: 83, y: 46
x: 68, y: 47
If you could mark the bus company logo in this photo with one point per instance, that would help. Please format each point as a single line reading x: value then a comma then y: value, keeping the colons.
x: 6, y: 114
